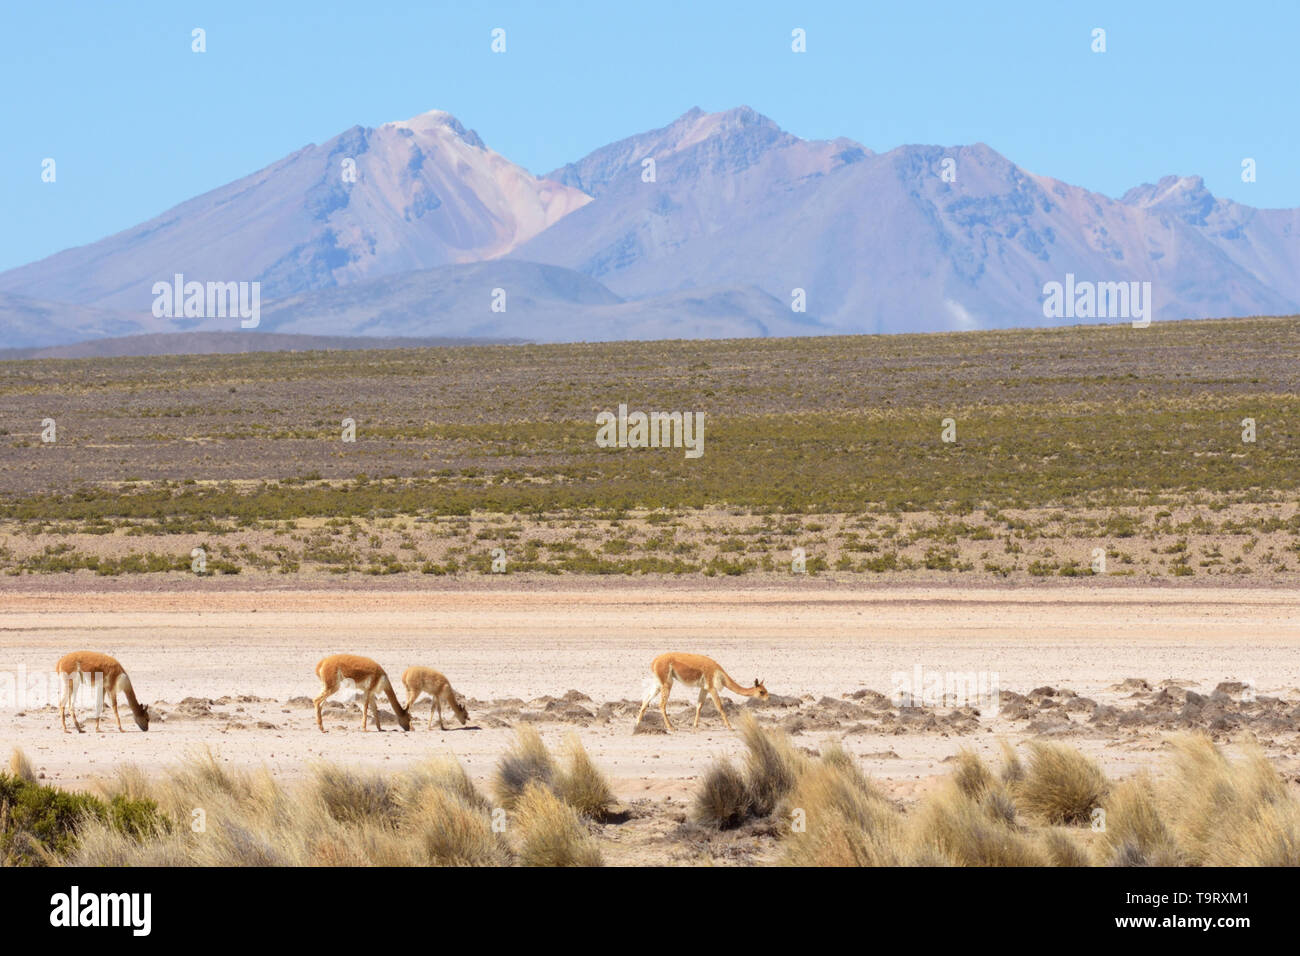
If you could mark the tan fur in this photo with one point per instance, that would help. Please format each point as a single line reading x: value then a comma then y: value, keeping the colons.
x: 104, y: 674
x: 693, y: 670
x: 368, y: 677
x: 426, y: 680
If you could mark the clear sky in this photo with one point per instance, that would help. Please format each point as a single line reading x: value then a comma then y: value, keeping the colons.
x: 136, y: 122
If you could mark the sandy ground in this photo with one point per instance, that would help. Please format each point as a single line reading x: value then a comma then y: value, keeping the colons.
x: 245, y: 659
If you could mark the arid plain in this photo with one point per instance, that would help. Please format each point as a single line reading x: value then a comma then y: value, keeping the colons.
x: 1095, y: 531
x: 1108, y: 671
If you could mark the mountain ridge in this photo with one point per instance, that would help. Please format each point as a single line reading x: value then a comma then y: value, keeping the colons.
x: 734, y: 210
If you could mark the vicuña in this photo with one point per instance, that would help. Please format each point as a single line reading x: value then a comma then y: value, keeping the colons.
x: 364, y: 674
x: 426, y: 680
x: 693, y: 670
x: 104, y: 674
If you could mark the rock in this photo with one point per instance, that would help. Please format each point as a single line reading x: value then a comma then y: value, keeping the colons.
x: 1050, y: 727
x: 1135, y: 684
x: 871, y: 698
x: 830, y: 705
x: 1104, y: 714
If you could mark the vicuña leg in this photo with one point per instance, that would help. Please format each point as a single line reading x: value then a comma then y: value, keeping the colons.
x: 69, y: 700
x: 700, y: 705
x: 650, y: 695
x: 112, y: 691
x: 718, y: 702
x: 325, y: 691
x: 663, y: 705
x: 99, y: 699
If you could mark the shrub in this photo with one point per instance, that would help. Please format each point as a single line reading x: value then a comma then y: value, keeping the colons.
x: 38, y: 824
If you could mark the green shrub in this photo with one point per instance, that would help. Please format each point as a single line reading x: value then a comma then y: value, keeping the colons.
x: 38, y: 824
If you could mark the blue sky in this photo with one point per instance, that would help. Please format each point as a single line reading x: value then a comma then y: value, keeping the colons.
x: 136, y: 122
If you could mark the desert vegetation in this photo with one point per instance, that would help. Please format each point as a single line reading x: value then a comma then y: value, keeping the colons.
x: 1048, y: 805
x: 201, y: 812
x: 1057, y: 808
x: 1067, y: 442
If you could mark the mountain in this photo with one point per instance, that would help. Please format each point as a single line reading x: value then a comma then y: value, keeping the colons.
x: 428, y: 192
x: 880, y: 242
x: 26, y: 322
x: 554, y: 304
x: 737, y: 216
x: 407, y: 309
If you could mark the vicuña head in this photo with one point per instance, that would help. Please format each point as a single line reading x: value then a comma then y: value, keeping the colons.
x: 368, y: 677
x: 102, y: 673
x: 693, y: 670
x: 426, y: 680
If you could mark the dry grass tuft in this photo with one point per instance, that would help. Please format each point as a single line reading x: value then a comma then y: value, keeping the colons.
x: 352, y: 797
x: 972, y: 776
x: 845, y: 821
x: 722, y: 798
x: 20, y: 766
x: 581, y: 785
x: 127, y: 780
x: 450, y: 830
x: 1226, y: 813
x: 551, y: 832
x: 1062, y: 849
x: 973, y: 829
x: 445, y: 773
x: 1061, y: 785
x: 578, y: 782
x: 728, y: 796
x: 1012, y: 770
x: 1136, y: 833
x: 527, y: 761
x: 772, y: 766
